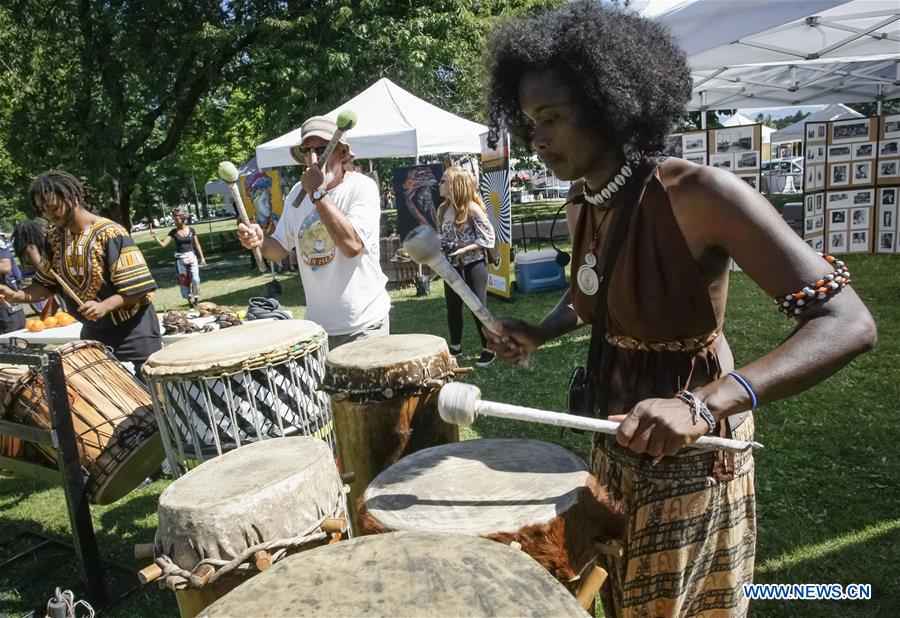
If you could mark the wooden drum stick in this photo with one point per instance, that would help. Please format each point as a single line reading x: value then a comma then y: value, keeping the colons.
x: 461, y: 403
x: 228, y: 172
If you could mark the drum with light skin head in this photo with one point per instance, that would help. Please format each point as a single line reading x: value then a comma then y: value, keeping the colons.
x: 116, y: 433
x: 278, y: 496
x: 215, y: 392
x: 535, y: 494
x: 402, y: 574
x: 384, y: 394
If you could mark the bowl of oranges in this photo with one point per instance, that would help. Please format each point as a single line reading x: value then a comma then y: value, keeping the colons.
x: 60, y: 318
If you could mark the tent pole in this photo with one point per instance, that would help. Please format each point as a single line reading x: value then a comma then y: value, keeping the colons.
x: 703, y: 110
x: 880, y: 99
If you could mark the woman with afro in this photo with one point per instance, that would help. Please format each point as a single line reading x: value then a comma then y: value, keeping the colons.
x: 595, y: 91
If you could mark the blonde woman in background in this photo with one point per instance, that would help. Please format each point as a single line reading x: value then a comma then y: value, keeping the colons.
x: 466, y: 235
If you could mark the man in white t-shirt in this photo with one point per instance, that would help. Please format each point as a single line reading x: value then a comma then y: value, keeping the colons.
x: 335, y: 230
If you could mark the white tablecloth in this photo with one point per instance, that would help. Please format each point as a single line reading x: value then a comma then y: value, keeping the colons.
x: 65, y: 334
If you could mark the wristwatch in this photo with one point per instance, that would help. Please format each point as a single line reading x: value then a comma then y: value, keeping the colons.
x: 318, y: 194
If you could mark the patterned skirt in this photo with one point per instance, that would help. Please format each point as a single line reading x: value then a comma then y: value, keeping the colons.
x: 691, y: 540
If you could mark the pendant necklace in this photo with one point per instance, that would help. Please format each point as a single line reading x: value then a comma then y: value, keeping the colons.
x: 588, y: 281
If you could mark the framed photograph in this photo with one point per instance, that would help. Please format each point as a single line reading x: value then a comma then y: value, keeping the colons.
x: 837, y: 242
x: 694, y: 142
x: 863, y: 151
x: 862, y: 172
x: 808, y: 225
x: 888, y: 197
x: 845, y: 131
x: 859, y: 218
x: 838, y: 199
x: 725, y: 161
x: 809, y: 179
x: 809, y: 206
x: 887, y: 218
x: 886, y: 242
x: 750, y: 179
x: 889, y: 148
x: 819, y: 223
x: 673, y: 146
x: 735, y: 139
x: 819, y: 182
x: 746, y: 160
x: 843, y: 152
x: 837, y: 220
x: 698, y: 157
x: 820, y: 204
x: 817, y: 243
x: 892, y: 126
x: 859, y: 241
x: 888, y: 169
x: 815, y: 132
x: 840, y: 175
x: 862, y: 197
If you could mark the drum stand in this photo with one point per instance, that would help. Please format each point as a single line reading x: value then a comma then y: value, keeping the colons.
x: 70, y: 474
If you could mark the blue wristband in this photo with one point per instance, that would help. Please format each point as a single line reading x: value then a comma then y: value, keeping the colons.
x: 747, y: 387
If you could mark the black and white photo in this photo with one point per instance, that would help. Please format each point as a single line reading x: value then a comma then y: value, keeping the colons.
x: 819, y: 223
x: 725, y: 161
x: 862, y: 173
x: 840, y: 174
x: 863, y: 151
x: 699, y: 158
x: 887, y: 217
x: 746, y: 160
x: 856, y: 130
x: 820, y: 203
x: 694, y: 142
x: 889, y: 148
x: 735, y: 139
x: 838, y: 219
x: 859, y: 241
x: 859, y: 219
x: 862, y: 197
x: 888, y: 196
x: 815, y: 132
x: 888, y: 169
x: 886, y: 242
x: 838, y: 199
x: 673, y: 146
x: 837, y: 242
x: 892, y: 126
x: 837, y: 154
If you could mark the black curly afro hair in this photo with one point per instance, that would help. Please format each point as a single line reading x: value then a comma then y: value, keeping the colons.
x: 628, y: 70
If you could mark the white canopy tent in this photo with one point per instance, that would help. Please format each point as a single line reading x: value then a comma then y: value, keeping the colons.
x: 221, y: 187
x: 739, y: 119
x: 794, y: 132
x: 762, y: 53
x: 391, y: 122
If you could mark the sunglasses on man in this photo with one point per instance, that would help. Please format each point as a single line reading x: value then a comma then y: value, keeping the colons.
x: 305, y: 151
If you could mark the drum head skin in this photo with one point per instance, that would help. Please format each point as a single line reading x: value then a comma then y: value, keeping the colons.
x: 477, y: 487
x: 402, y: 574
x: 265, y: 491
x: 231, y: 348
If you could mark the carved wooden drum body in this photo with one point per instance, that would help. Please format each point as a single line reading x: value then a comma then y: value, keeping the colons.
x: 384, y: 398
x: 533, y: 493
x: 402, y: 574
x: 277, y: 496
x: 216, y: 391
x: 116, y: 433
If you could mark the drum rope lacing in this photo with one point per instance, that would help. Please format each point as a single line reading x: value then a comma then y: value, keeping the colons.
x: 176, y: 578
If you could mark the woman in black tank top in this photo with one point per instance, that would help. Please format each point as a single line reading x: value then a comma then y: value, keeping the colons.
x: 187, y: 249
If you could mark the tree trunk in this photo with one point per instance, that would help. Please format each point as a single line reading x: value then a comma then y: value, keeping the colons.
x: 120, y: 191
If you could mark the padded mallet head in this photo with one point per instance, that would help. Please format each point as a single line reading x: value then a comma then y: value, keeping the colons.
x: 423, y: 245
x: 346, y: 120
x: 458, y: 403
x: 228, y: 172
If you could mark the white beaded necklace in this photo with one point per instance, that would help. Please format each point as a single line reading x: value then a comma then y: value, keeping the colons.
x: 598, y: 198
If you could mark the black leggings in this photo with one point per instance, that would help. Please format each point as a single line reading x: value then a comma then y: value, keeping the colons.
x: 475, y: 276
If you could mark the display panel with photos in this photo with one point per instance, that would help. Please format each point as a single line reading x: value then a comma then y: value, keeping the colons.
x: 886, y: 227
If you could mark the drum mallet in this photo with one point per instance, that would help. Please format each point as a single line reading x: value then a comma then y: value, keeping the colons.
x: 228, y: 172
x: 346, y: 120
x: 424, y: 246
x: 461, y: 403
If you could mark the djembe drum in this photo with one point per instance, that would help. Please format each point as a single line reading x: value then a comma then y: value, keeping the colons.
x: 533, y: 493
x: 214, y: 392
x: 236, y: 515
x: 115, y: 430
x: 402, y: 574
x: 384, y: 394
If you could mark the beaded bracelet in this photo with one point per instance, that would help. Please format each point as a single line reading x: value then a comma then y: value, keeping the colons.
x: 829, y: 285
x: 698, y: 408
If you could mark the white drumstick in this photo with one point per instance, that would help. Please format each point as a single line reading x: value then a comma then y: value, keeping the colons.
x: 424, y: 246
x: 460, y: 404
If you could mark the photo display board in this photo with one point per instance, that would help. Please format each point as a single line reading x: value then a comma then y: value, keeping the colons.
x: 735, y: 149
x: 851, y: 184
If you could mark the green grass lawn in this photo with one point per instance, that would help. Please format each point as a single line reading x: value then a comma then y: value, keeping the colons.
x: 829, y: 503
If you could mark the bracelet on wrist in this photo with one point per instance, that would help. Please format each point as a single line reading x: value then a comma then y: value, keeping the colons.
x: 698, y: 409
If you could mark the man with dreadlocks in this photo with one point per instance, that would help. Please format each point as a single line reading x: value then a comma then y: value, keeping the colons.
x: 101, y: 264
x: 595, y: 90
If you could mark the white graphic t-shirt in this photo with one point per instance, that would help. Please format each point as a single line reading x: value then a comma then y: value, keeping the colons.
x: 343, y: 294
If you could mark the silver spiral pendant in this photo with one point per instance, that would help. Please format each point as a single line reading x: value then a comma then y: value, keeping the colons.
x: 588, y: 282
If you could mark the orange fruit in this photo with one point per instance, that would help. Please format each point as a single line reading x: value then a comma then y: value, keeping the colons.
x: 37, y: 326
x: 64, y: 319
x: 29, y: 324
x: 50, y: 322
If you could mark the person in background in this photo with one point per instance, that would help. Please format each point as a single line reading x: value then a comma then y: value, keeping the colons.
x: 12, y: 315
x: 595, y: 90
x: 100, y: 263
x: 187, y: 252
x: 29, y: 238
x: 335, y: 229
x: 466, y: 233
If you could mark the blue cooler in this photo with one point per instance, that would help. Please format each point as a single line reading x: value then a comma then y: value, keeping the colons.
x: 538, y: 270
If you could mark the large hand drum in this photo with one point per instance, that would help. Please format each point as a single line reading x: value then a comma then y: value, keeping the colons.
x: 534, y: 493
x: 384, y: 398
x: 115, y: 431
x: 214, y: 392
x: 277, y: 497
x: 402, y: 574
